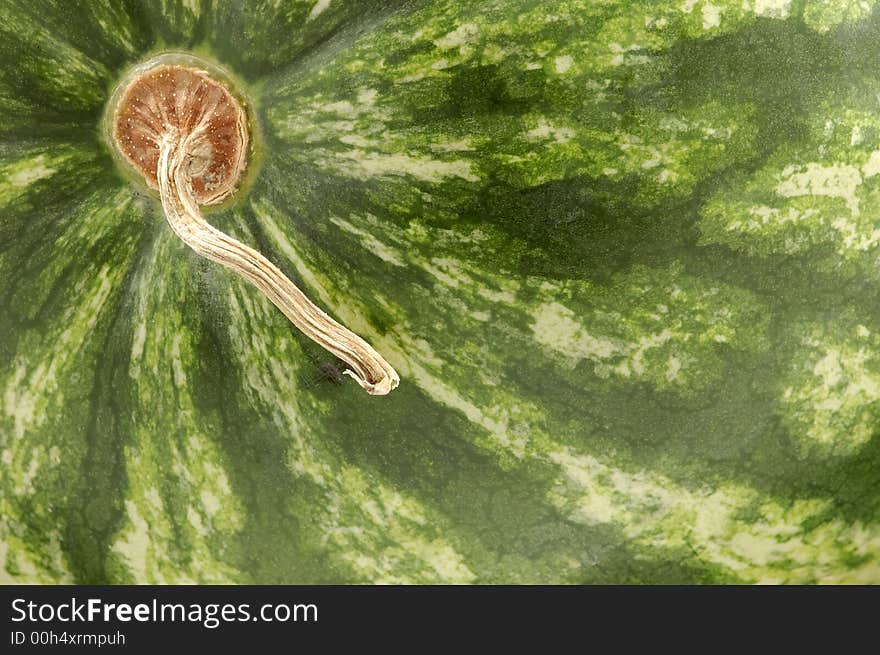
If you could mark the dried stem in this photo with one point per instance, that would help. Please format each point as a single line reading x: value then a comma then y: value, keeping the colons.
x: 176, y: 158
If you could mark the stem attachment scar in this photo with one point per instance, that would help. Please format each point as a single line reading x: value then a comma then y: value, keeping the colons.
x: 188, y: 136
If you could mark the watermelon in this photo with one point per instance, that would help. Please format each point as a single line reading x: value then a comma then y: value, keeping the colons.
x: 622, y: 254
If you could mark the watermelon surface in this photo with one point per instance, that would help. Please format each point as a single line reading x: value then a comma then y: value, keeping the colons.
x: 625, y: 256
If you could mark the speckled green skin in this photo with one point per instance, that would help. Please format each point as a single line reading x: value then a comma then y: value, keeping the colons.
x: 624, y: 256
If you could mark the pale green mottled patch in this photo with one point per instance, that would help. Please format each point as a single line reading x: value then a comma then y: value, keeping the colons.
x: 562, y: 64
x: 362, y: 164
x: 463, y: 35
x: 779, y: 9
x: 21, y: 566
x: 711, y: 15
x: 367, y: 152
x: 812, y: 179
x: 772, y: 546
x: 319, y: 8
x: 369, y: 240
x: 20, y: 172
x: 26, y: 173
x: 797, y: 202
x: 829, y: 398
x: 654, y: 325
x: 824, y: 15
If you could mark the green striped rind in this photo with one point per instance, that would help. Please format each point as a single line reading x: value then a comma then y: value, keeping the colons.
x: 36, y: 175
x: 179, y: 507
x: 647, y: 508
x: 376, y: 141
x: 614, y: 368
x: 417, y: 112
x: 64, y: 308
x: 295, y: 28
x: 60, y: 60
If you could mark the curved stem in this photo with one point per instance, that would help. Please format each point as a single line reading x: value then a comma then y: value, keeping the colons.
x: 369, y: 368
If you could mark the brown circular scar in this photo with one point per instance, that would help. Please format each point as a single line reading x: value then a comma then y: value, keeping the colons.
x: 173, y: 99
